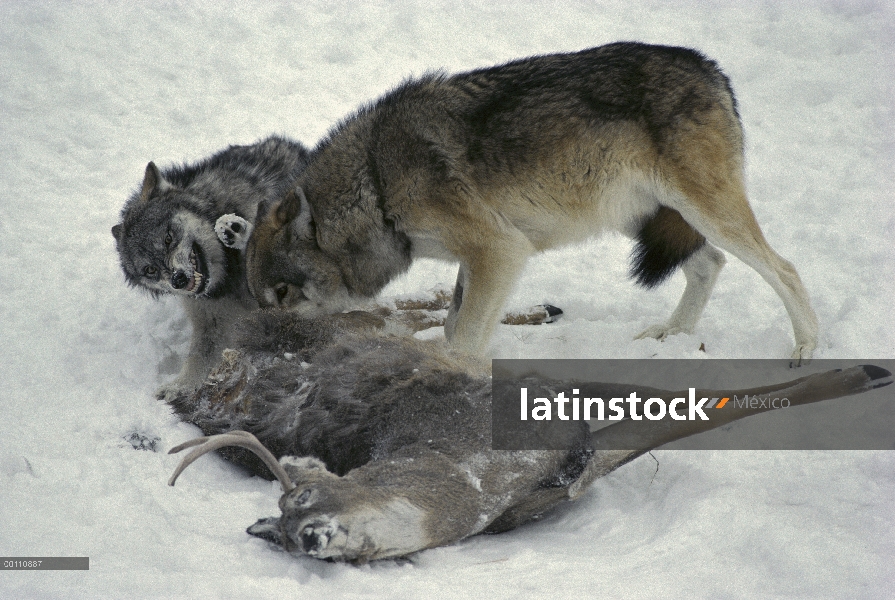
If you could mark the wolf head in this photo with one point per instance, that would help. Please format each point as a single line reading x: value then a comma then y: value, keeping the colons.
x: 168, y: 246
x: 285, y: 266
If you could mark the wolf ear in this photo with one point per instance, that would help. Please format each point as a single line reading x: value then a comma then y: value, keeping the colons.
x: 152, y: 180
x: 116, y: 231
x: 294, y: 209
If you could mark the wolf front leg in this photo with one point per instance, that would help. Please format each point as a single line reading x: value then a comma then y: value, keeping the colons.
x: 485, y: 279
x: 212, y: 322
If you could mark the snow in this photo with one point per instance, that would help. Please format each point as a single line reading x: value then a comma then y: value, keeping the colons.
x: 91, y: 91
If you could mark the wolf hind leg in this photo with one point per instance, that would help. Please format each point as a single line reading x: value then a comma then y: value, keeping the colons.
x: 725, y: 218
x: 665, y: 241
x: 701, y: 270
x: 783, y: 277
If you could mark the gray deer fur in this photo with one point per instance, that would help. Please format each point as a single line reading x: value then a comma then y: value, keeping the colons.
x: 385, y: 442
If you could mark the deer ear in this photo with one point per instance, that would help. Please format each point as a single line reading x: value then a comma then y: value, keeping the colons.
x: 152, y: 181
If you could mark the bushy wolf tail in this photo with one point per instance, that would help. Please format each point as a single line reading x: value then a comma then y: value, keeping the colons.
x: 664, y: 242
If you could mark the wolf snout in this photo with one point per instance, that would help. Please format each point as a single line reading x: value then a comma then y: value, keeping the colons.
x: 179, y: 280
x: 194, y: 283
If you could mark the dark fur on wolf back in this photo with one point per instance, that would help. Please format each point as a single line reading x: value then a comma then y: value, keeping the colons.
x: 220, y: 180
x: 496, y: 112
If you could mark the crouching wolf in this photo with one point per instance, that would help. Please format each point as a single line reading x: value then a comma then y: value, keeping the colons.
x: 492, y: 166
x: 385, y: 442
x: 168, y: 244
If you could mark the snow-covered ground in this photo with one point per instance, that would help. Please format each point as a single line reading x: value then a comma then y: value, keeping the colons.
x: 90, y: 92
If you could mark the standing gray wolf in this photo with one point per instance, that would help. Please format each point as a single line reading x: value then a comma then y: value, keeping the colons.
x: 385, y: 442
x: 490, y: 167
x: 168, y: 244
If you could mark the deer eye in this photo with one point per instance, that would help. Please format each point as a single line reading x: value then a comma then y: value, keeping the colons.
x: 281, y: 290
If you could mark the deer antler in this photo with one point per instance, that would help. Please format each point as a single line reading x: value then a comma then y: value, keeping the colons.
x: 244, y: 439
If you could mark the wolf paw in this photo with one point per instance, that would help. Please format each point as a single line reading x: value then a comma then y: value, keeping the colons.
x: 173, y: 391
x: 660, y: 332
x: 233, y: 231
x: 801, y: 356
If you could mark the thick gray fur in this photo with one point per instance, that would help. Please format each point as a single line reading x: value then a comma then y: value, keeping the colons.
x: 168, y: 244
x: 489, y: 167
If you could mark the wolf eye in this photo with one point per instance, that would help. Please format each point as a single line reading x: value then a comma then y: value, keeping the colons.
x: 150, y: 271
x: 281, y: 290
x: 168, y: 239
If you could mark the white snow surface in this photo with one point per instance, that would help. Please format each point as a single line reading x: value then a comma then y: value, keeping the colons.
x: 92, y: 91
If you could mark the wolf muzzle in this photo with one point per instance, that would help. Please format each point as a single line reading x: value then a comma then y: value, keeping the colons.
x: 179, y: 280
